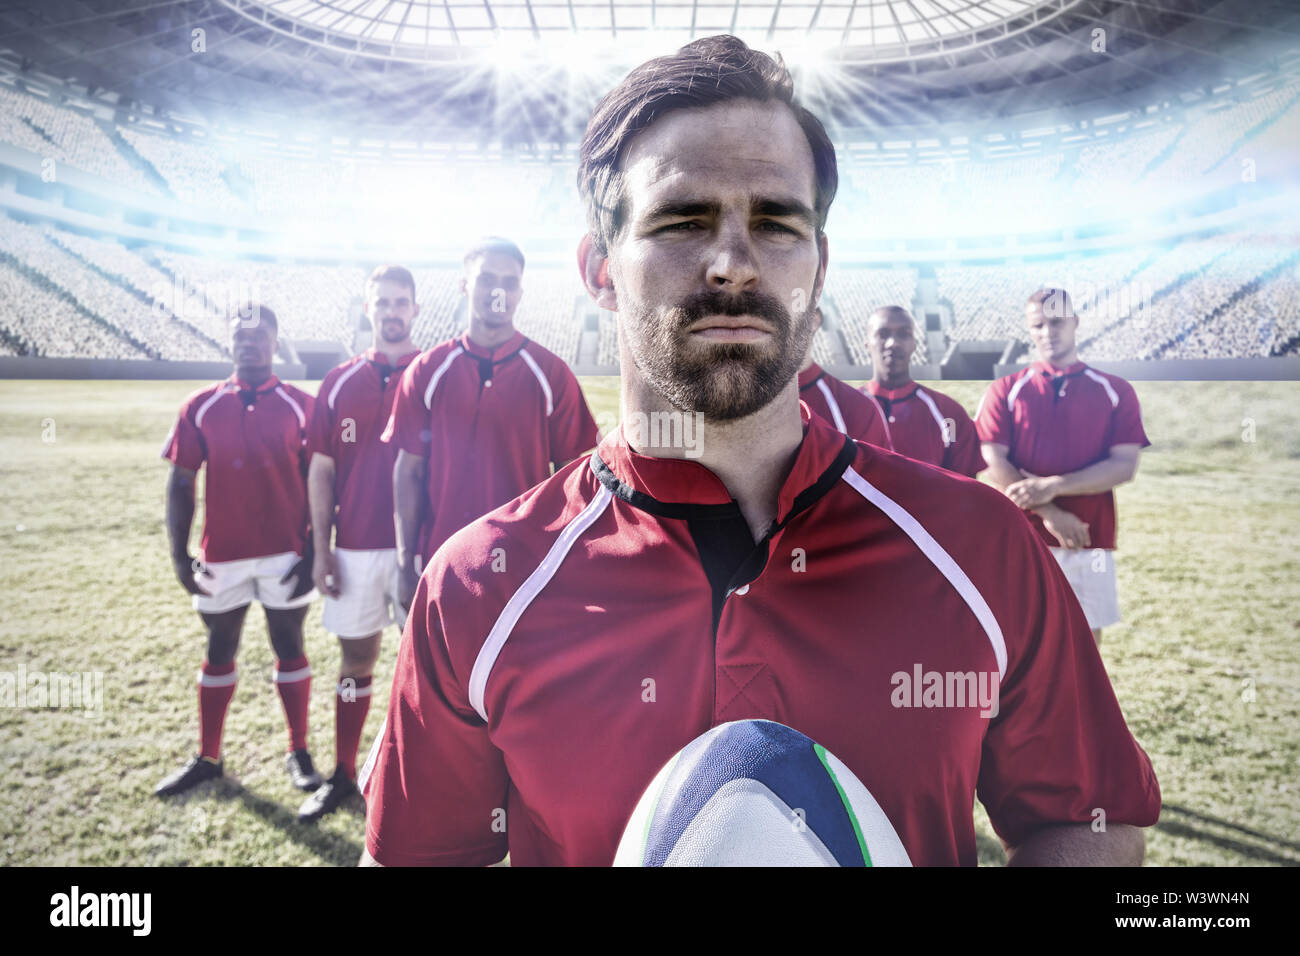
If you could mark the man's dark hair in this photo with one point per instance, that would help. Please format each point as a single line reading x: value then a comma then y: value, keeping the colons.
x: 399, y: 274
x: 490, y: 244
x: 708, y: 71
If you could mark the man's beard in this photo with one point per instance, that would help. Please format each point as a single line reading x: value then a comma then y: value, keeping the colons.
x: 393, y: 331
x: 724, y: 380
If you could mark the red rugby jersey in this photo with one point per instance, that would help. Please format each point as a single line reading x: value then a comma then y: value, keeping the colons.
x: 843, y: 406
x: 1057, y: 421
x: 533, y: 700
x: 928, y: 426
x: 352, y: 408
x: 491, y: 422
x: 254, y: 443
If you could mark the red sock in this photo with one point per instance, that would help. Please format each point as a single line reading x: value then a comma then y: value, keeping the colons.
x: 293, y: 681
x: 351, y: 704
x: 216, y: 687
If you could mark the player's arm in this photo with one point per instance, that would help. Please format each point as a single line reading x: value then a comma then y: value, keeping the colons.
x: 1064, y: 526
x: 1078, y: 844
x: 320, y: 498
x: 1116, y: 468
x: 408, y: 507
x: 180, y: 518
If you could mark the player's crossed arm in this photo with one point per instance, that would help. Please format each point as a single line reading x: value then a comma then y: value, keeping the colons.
x: 1068, y: 529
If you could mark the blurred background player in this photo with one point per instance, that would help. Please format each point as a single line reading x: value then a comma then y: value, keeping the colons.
x: 251, y: 432
x: 350, y: 488
x: 1057, y: 438
x: 850, y: 411
x: 480, y: 419
x: 925, y: 424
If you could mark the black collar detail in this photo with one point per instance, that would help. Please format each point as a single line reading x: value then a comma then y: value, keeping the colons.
x: 682, y: 510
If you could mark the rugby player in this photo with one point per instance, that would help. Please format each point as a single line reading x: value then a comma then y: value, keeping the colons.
x: 788, y: 572
x: 481, y: 418
x: 925, y: 424
x: 250, y: 431
x: 350, y: 488
x: 850, y: 411
x: 1058, y: 437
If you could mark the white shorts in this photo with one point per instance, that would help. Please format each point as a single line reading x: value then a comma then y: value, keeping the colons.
x: 1091, y: 573
x: 367, y: 601
x: 238, y: 583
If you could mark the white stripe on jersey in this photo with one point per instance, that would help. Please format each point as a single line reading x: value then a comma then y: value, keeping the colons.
x: 1015, y: 389
x: 225, y: 389
x: 939, y: 558
x: 437, y: 376
x: 518, y: 603
x: 297, y: 409
x: 1110, y: 392
x: 334, y: 392
x: 938, y: 419
x: 546, y: 386
x: 835, y: 406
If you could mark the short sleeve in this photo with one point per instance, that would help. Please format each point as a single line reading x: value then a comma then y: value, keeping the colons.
x: 185, y: 446
x: 408, y: 425
x: 963, y: 456
x: 1058, y: 750
x: 1126, y: 427
x: 321, y: 432
x: 437, y: 793
x: 993, y: 420
x: 572, y: 429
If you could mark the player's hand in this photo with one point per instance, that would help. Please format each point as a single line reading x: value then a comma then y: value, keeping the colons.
x: 325, y: 573
x: 301, y: 571
x: 1032, y: 492
x: 408, y: 580
x: 189, y: 571
x: 1066, y: 528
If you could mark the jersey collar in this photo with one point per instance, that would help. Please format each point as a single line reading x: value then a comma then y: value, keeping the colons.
x: 809, y: 375
x: 379, y: 358
x: 239, y: 383
x: 893, y: 394
x: 1047, y: 368
x: 508, y: 347
x: 682, y: 488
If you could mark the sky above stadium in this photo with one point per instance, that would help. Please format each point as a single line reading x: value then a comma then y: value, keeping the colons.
x: 868, y: 30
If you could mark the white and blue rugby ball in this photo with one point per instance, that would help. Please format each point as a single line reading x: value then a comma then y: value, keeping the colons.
x: 758, y: 793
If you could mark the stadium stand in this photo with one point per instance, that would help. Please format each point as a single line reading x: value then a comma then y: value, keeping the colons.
x: 607, y: 343
x: 66, y: 135
x: 548, y: 311
x: 150, y: 325
x: 194, y: 174
x: 856, y: 293
x: 42, y: 319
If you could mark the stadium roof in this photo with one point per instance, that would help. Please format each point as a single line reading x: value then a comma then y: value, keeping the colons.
x: 858, y: 30
x: 319, y: 67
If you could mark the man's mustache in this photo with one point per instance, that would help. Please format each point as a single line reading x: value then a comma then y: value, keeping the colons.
x: 760, y: 305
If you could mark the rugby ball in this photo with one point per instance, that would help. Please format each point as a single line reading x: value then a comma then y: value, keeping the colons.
x: 758, y: 793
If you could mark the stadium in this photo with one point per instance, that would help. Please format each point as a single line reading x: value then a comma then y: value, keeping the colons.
x: 162, y: 163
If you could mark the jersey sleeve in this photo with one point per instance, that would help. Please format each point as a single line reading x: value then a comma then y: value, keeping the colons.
x: 185, y: 446
x: 993, y: 420
x: 437, y: 792
x: 321, y: 432
x: 963, y: 456
x: 1058, y: 750
x: 408, y: 425
x: 572, y: 429
x: 1126, y: 425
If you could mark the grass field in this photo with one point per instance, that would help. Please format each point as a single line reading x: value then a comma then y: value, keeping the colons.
x: 1206, y: 664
